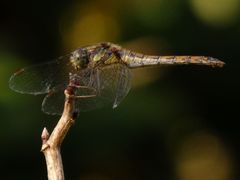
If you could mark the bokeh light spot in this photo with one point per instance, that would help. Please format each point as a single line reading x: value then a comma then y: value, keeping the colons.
x: 203, y: 156
x: 216, y: 12
x: 89, y: 25
x: 146, y: 45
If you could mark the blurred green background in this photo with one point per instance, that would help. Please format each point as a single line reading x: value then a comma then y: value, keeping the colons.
x: 177, y: 123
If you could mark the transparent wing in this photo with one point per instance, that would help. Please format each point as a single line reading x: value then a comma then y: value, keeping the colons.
x: 95, y: 88
x: 53, y: 103
x: 111, y: 84
x: 41, y: 78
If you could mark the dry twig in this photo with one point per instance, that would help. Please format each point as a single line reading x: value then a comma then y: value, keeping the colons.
x: 51, y: 143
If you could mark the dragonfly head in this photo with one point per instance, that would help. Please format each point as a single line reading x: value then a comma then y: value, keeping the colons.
x: 79, y: 58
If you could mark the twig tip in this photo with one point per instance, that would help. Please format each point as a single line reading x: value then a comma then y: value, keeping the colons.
x: 45, y: 134
x: 45, y: 137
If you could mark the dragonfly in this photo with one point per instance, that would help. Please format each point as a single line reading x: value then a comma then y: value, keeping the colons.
x: 100, y: 73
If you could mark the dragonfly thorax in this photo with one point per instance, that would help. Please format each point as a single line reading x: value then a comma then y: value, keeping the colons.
x: 79, y: 59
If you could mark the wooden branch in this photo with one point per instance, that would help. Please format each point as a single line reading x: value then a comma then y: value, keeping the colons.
x: 51, y: 144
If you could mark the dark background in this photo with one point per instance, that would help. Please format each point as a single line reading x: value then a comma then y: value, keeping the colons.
x: 177, y: 123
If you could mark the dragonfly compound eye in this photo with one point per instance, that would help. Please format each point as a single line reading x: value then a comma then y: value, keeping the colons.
x: 79, y: 59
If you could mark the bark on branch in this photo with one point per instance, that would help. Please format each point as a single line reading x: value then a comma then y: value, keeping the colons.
x: 51, y: 143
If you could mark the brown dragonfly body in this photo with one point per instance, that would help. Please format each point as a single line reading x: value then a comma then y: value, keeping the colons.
x: 100, y: 74
x: 135, y: 60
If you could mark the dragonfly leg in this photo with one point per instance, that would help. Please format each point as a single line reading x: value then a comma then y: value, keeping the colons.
x: 85, y: 87
x: 85, y: 96
x: 98, y: 80
x: 94, y: 94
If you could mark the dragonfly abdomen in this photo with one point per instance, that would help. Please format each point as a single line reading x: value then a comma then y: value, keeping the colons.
x: 135, y: 60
